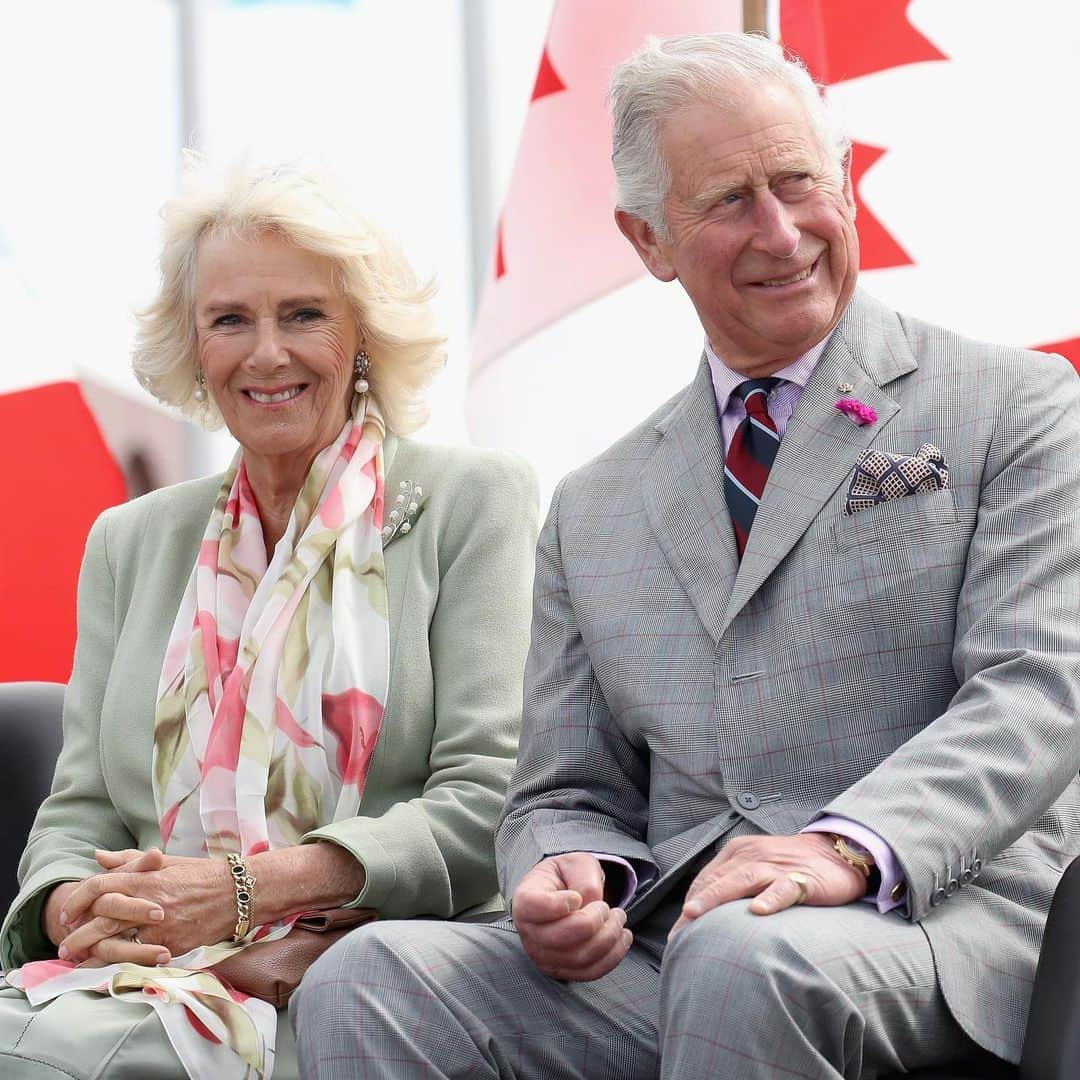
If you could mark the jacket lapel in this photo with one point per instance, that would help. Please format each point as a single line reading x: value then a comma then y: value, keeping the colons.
x: 821, y: 445
x: 683, y: 489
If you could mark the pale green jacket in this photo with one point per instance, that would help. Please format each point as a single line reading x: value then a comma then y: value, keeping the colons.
x: 458, y: 587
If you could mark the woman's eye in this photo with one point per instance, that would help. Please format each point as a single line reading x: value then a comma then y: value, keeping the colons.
x: 226, y: 320
x: 305, y: 315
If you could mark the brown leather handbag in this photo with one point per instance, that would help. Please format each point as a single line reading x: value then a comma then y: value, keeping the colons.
x: 272, y: 970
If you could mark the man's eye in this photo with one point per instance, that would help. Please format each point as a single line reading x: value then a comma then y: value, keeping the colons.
x: 725, y: 202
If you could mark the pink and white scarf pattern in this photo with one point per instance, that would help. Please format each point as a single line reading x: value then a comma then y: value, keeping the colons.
x: 270, y: 703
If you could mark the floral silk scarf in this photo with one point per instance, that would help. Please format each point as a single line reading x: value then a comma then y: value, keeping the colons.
x: 269, y: 707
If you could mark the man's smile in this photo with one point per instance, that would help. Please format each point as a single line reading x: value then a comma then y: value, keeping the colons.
x: 791, y: 279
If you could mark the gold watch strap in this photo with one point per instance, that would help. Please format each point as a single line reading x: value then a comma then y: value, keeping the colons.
x: 863, y: 861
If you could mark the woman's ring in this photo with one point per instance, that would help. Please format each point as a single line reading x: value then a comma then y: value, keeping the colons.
x: 802, y: 881
x: 133, y: 937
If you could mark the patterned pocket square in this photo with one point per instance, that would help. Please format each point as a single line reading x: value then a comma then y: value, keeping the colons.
x: 881, y: 477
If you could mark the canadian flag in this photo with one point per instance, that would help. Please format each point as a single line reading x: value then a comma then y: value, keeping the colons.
x: 58, y: 475
x: 961, y: 166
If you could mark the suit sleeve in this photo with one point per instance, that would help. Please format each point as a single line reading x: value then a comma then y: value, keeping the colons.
x: 978, y: 777
x: 579, y: 784
x: 78, y: 816
x: 433, y: 854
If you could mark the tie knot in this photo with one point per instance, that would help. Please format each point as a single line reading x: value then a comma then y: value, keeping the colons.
x: 755, y: 395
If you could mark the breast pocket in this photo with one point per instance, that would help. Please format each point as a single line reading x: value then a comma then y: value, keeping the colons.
x: 898, y: 561
x: 920, y: 517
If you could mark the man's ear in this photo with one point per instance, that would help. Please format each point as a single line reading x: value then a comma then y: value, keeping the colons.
x: 651, y: 249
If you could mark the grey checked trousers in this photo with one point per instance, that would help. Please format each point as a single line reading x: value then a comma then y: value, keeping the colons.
x: 810, y: 993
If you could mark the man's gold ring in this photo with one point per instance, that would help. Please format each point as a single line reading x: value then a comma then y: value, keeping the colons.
x: 802, y: 881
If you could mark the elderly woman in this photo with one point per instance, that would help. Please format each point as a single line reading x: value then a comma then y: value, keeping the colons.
x: 297, y: 685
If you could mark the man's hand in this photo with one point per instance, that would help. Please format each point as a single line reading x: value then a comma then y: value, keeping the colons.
x: 563, y: 921
x: 195, y: 898
x: 758, y: 866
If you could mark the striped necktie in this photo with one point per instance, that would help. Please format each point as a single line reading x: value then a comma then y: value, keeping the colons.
x: 750, y: 457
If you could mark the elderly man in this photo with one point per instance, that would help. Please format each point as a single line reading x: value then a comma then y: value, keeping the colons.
x: 798, y: 774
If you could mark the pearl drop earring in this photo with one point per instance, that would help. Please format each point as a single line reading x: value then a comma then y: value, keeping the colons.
x: 363, y: 365
x: 200, y: 387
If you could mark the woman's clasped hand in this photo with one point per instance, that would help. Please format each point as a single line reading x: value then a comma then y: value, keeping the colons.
x: 146, y: 908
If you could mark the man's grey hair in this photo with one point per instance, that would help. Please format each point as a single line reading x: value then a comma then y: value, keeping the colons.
x: 664, y: 76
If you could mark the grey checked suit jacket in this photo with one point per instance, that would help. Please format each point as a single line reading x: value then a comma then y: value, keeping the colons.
x: 913, y: 667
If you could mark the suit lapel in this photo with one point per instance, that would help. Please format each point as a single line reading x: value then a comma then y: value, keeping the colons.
x: 683, y: 489
x: 821, y: 445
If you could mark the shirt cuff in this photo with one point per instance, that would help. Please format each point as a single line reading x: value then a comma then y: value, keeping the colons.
x: 890, y: 894
x: 631, y: 879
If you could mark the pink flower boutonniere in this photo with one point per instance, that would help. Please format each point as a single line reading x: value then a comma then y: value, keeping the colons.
x: 858, y: 412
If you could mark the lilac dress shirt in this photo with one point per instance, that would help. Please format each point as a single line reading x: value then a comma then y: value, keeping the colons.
x: 731, y: 410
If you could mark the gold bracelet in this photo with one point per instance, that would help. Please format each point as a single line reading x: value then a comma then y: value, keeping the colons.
x: 245, y: 895
x: 863, y: 863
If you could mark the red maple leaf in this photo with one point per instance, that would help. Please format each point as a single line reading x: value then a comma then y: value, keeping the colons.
x: 500, y: 258
x: 1070, y: 349
x: 547, y: 79
x: 877, y: 246
x: 547, y: 83
x: 843, y: 39
x: 39, y: 563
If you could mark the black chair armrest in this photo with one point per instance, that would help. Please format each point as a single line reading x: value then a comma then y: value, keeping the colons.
x: 1052, y: 1041
x: 30, y: 737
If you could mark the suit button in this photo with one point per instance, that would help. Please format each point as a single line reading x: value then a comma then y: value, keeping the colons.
x: 977, y: 867
x: 966, y: 876
x: 952, y: 886
x: 938, y: 897
x: 748, y: 800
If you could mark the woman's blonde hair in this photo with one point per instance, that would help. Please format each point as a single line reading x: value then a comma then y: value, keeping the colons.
x: 301, y: 205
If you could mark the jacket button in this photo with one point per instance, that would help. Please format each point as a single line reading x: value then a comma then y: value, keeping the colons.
x: 937, y: 897
x: 748, y: 800
x: 966, y: 876
x: 952, y: 886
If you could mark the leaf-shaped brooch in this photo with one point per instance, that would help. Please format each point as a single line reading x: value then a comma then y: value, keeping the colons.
x: 408, y: 505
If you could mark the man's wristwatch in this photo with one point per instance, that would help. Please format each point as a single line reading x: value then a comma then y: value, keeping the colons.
x: 857, y: 856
